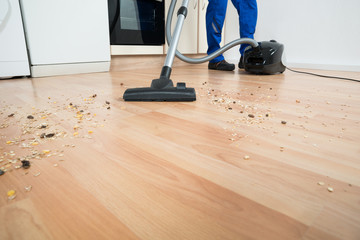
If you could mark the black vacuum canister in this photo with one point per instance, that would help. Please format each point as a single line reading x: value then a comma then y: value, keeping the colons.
x: 267, y: 59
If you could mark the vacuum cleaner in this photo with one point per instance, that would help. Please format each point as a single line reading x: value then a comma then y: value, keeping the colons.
x: 259, y: 58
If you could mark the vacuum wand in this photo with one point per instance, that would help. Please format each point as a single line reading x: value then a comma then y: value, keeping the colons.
x: 182, y: 13
x: 226, y: 47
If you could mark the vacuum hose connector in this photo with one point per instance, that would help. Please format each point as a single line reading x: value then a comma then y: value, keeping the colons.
x: 207, y: 58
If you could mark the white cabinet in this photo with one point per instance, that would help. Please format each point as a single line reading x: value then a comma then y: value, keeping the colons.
x: 13, y: 55
x: 202, y: 26
x: 193, y: 35
x: 188, y: 42
x: 66, y: 36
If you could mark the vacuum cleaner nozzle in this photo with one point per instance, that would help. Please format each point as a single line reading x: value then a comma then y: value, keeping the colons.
x: 161, y: 89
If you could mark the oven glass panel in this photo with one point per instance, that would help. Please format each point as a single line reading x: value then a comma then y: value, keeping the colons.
x: 136, y: 22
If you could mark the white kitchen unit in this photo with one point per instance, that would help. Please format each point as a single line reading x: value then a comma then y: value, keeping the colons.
x: 66, y: 36
x: 193, y: 38
x: 188, y: 42
x: 202, y: 26
x: 13, y: 55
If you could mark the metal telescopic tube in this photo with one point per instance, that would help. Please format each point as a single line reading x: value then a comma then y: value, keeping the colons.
x: 176, y: 36
x: 170, y: 39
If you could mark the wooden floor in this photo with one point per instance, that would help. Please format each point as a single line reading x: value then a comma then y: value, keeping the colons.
x: 255, y: 157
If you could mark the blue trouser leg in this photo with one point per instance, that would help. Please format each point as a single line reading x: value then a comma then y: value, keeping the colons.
x: 247, y: 10
x: 215, y: 16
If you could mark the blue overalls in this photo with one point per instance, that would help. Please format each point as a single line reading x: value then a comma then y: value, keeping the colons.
x: 215, y: 16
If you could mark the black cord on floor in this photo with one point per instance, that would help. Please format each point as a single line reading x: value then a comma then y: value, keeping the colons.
x: 325, y: 76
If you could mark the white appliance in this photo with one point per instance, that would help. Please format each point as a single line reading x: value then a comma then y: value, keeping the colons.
x: 66, y: 36
x: 13, y: 56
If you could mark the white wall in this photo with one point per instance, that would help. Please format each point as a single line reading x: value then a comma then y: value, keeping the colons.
x: 319, y: 34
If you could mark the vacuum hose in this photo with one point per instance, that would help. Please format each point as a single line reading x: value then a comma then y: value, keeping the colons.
x: 207, y: 58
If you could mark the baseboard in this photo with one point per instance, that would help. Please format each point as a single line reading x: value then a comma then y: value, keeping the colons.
x: 134, y: 62
x: 66, y: 69
x: 335, y: 67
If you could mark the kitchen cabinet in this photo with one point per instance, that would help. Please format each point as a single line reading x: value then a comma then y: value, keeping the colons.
x: 202, y: 48
x: 13, y: 55
x: 193, y: 35
x: 188, y: 42
x: 67, y: 36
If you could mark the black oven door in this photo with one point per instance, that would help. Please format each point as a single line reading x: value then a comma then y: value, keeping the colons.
x: 136, y: 22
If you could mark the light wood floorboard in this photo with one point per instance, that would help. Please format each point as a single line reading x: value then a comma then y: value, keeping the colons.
x: 255, y: 157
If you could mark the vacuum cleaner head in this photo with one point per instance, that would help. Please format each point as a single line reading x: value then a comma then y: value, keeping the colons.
x: 161, y: 89
x: 267, y: 59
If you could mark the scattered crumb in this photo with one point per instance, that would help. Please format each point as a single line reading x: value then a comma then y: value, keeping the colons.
x: 11, y: 194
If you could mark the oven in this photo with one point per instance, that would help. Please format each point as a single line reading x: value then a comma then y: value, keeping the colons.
x: 136, y: 22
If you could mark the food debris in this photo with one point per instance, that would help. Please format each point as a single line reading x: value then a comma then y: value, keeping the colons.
x: 246, y: 157
x: 25, y: 164
x: 76, y: 133
x: 321, y: 183
x: 297, y: 101
x: 11, y: 194
x: 28, y: 188
x: 330, y: 189
x: 251, y: 115
x: 50, y: 135
x: 32, y: 133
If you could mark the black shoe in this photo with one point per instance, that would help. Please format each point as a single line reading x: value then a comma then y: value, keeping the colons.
x: 241, y: 63
x: 222, y: 65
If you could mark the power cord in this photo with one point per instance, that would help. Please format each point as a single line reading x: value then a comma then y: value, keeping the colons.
x: 325, y: 76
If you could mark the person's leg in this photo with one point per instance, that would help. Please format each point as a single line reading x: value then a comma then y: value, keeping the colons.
x: 247, y: 10
x: 215, y: 16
